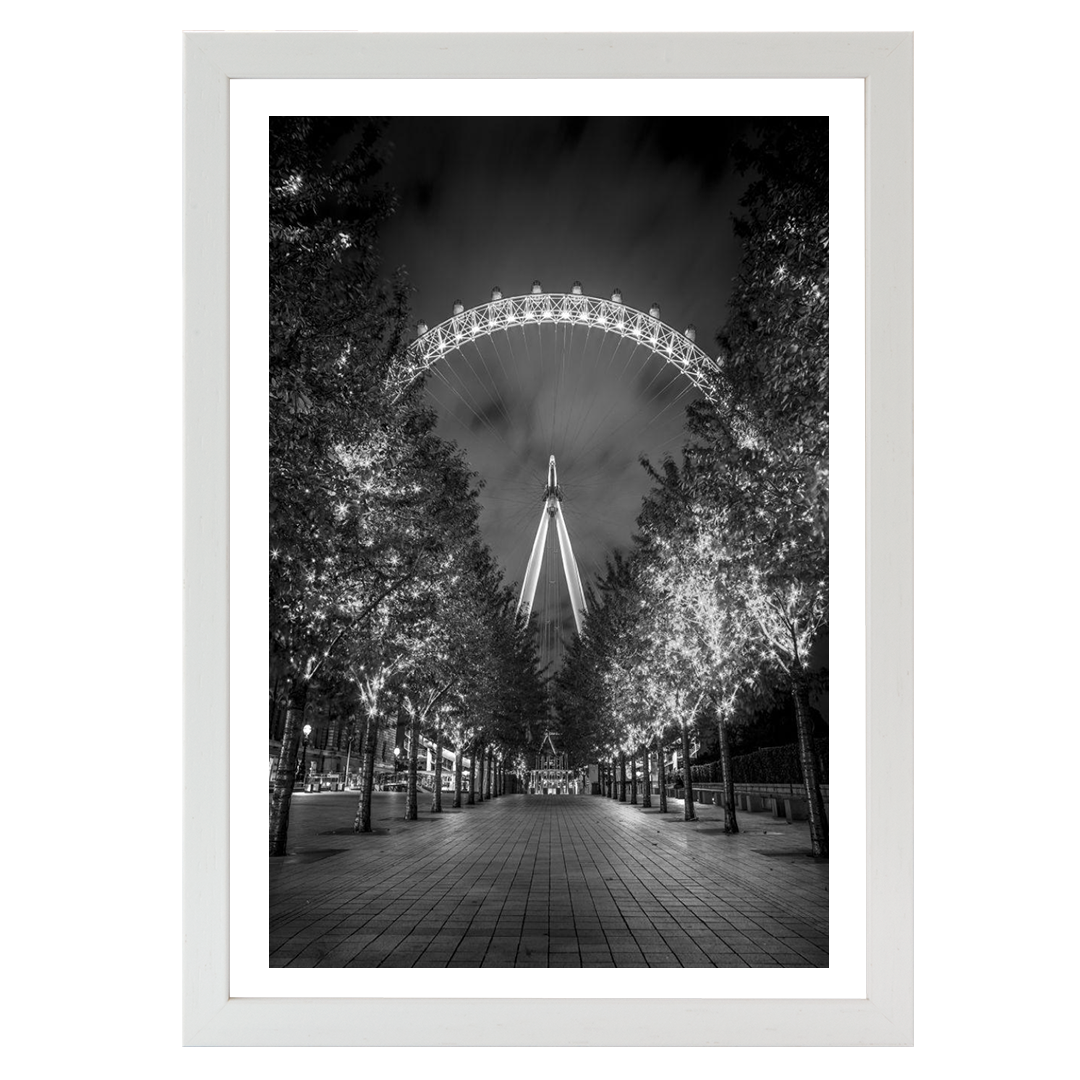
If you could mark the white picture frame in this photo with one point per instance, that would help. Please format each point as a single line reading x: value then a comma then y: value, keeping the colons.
x: 885, y: 1016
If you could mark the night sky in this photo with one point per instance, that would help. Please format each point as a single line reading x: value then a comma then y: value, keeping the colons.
x: 640, y: 204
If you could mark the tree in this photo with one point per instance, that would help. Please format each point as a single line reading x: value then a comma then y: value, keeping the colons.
x: 775, y: 343
x: 591, y: 692
x: 371, y: 679
x: 335, y: 327
x: 673, y: 682
x: 517, y: 696
x: 768, y: 495
x: 695, y: 580
x: 469, y: 657
x: 367, y: 505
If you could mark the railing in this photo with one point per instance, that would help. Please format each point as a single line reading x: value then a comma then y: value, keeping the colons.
x: 786, y: 801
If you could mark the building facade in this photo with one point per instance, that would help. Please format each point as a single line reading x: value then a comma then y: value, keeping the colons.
x: 551, y: 773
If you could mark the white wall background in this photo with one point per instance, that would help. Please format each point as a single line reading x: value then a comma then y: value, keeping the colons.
x: 91, y: 445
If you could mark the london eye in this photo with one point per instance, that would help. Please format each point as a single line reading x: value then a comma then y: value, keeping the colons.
x: 530, y: 382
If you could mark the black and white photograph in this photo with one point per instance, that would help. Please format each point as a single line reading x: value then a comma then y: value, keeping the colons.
x: 652, y: 519
x: 549, y: 542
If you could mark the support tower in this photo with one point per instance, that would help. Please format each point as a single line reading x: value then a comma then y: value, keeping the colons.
x: 553, y: 509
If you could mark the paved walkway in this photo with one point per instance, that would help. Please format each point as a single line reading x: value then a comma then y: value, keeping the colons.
x: 556, y: 881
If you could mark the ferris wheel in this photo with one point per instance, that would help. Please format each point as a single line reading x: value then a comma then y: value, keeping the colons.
x: 523, y: 382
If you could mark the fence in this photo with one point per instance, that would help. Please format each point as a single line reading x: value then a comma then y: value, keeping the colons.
x: 769, y: 765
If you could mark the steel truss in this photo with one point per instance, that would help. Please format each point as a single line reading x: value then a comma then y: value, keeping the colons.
x: 610, y: 316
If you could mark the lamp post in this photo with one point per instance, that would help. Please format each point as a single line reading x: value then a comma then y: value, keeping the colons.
x: 397, y: 762
x: 303, y: 762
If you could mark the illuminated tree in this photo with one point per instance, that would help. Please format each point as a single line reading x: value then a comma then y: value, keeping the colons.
x: 471, y: 657
x: 435, y: 654
x: 365, y: 501
x: 697, y: 585
x: 518, y: 694
x: 609, y: 701
x: 764, y: 498
x: 335, y: 328
x: 775, y: 343
x: 461, y: 732
x: 578, y: 698
x: 621, y: 700
x: 770, y: 518
x: 402, y: 501
x: 672, y: 681
x: 370, y: 684
x: 498, y: 687
x: 591, y: 699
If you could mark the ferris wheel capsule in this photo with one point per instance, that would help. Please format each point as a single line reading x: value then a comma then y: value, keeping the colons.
x: 690, y: 333
x: 654, y: 311
x: 616, y: 295
x: 496, y: 293
x: 536, y: 287
x: 421, y: 328
x: 459, y: 307
x: 576, y: 288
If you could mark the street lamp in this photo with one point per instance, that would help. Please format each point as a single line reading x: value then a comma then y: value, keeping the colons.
x: 303, y: 763
x: 397, y: 761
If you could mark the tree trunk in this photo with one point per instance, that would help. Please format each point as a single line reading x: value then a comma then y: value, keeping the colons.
x: 660, y: 775
x: 646, y: 778
x: 471, y: 800
x: 362, y: 821
x: 688, y: 783
x: 459, y: 761
x: 285, y: 770
x: 622, y: 776
x: 348, y: 753
x: 487, y: 772
x: 633, y: 779
x: 436, y: 795
x: 731, y: 823
x: 819, y: 823
x: 480, y: 764
x: 414, y: 764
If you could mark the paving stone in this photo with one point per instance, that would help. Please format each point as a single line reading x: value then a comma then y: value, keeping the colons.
x: 532, y: 882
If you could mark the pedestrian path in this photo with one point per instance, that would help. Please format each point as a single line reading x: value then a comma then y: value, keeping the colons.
x: 535, y: 881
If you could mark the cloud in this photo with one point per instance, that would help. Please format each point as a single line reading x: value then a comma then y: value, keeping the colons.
x: 643, y: 204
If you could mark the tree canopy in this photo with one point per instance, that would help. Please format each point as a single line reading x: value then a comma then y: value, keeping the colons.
x: 379, y: 580
x: 726, y: 590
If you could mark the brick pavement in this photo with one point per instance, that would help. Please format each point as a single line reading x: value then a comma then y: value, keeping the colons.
x: 556, y: 881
